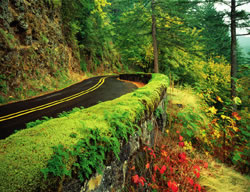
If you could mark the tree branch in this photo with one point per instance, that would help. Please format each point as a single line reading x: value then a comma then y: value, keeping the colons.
x: 240, y: 4
x: 243, y: 34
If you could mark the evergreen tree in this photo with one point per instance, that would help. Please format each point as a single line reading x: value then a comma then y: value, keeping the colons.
x: 215, y: 33
x: 237, y: 19
x: 143, y: 31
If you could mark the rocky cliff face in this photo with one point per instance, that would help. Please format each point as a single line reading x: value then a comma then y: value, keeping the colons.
x: 34, y: 55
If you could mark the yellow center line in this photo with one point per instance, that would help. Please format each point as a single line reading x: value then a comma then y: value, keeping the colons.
x: 41, y: 107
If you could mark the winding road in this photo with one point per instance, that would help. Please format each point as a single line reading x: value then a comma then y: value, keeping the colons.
x: 87, y: 93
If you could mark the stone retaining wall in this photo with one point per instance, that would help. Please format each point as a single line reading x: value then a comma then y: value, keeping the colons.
x: 113, y: 177
x: 24, y: 154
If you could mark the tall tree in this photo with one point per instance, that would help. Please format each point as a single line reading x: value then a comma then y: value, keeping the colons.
x: 237, y: 19
x: 233, y: 48
x: 155, y: 47
x: 215, y: 32
x: 145, y: 27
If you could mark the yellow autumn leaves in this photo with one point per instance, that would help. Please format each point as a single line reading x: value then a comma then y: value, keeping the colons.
x: 100, y: 4
x: 213, y: 110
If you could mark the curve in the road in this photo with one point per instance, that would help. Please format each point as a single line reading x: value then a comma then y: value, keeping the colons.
x: 87, y: 93
x: 51, y: 104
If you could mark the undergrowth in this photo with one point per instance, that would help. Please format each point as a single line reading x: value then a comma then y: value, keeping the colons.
x: 166, y: 167
x: 184, y: 157
x: 217, y: 130
x: 213, y: 132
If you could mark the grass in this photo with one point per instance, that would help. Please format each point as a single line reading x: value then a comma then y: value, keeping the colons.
x: 24, y: 154
x: 186, y: 97
x: 222, y: 178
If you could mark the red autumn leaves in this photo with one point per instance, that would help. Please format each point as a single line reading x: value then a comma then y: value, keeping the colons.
x: 236, y: 116
x: 181, y: 143
x: 173, y: 186
x: 138, y: 180
x: 169, y: 169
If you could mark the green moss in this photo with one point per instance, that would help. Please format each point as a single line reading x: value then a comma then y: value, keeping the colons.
x: 9, y: 39
x: 24, y: 154
x: 56, y: 3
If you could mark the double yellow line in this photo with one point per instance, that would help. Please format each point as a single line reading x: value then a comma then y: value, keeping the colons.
x: 53, y: 103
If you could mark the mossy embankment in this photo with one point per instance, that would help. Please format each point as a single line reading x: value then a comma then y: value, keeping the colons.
x: 24, y: 154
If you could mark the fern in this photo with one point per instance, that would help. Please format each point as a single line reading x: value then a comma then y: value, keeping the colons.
x: 56, y: 165
x: 158, y: 112
x: 38, y: 122
x: 66, y: 113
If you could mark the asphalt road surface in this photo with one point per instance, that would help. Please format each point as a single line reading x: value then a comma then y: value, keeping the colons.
x: 87, y: 93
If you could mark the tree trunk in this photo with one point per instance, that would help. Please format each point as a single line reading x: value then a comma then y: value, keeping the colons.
x: 156, y: 66
x: 233, y: 49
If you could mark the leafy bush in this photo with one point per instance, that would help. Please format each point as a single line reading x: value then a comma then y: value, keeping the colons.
x: 167, y: 167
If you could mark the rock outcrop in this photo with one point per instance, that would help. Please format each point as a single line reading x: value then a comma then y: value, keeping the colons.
x: 33, y: 49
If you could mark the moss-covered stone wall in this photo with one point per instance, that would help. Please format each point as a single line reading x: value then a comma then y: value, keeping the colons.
x: 24, y: 154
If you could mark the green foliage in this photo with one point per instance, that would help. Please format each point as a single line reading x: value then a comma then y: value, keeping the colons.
x: 73, y: 135
x: 87, y: 26
x: 91, y: 151
x: 132, y: 34
x: 57, y: 163
x: 44, y: 38
x: 2, y: 99
x: 83, y: 65
x: 158, y: 112
x: 215, y: 130
x: 120, y: 126
x: 190, y: 121
x: 90, y: 154
x: 55, y: 3
x: 38, y: 122
x: 150, y: 127
x: 215, y: 32
x: 67, y: 113
x: 3, y: 84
